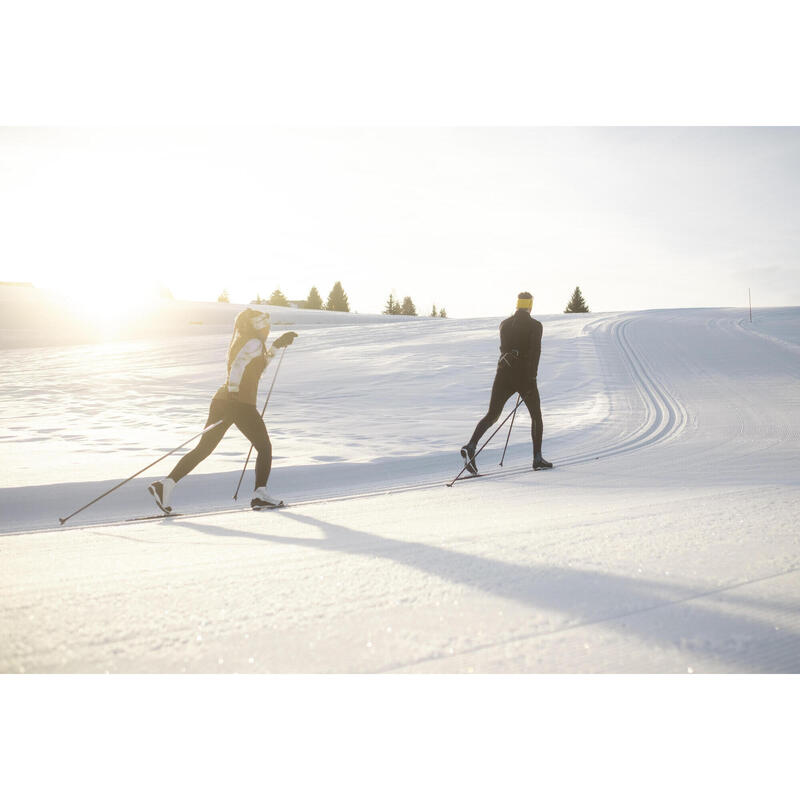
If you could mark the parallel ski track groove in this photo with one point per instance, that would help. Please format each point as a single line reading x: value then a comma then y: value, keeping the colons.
x: 665, y: 417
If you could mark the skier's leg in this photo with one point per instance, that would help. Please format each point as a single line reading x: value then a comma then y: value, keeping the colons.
x: 162, y: 490
x: 251, y: 424
x: 502, y: 389
x: 533, y: 402
x: 208, y: 441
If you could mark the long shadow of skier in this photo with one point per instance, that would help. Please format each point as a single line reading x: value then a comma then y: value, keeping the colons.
x: 586, y: 596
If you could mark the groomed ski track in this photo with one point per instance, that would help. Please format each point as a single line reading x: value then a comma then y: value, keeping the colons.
x: 663, y: 418
x: 663, y: 541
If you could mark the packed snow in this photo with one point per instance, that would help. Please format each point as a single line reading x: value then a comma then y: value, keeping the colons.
x: 664, y: 540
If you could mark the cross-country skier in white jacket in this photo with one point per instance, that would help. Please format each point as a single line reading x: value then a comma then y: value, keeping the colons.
x: 235, y: 404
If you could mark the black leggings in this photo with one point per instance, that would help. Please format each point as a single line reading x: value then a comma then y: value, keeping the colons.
x: 247, y: 419
x: 508, y: 382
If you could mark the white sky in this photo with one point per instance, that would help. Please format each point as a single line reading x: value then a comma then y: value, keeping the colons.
x: 460, y: 217
x: 628, y: 215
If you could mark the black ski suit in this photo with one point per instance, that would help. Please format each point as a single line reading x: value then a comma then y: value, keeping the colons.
x: 517, y: 369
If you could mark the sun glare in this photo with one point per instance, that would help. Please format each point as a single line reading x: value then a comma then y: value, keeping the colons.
x: 108, y: 308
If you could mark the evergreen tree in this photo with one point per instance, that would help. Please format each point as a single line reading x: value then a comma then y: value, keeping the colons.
x: 576, y: 304
x: 278, y: 298
x: 433, y: 312
x: 337, y: 299
x: 408, y: 308
x: 442, y: 313
x: 391, y: 307
x: 224, y: 297
x: 314, y: 299
x: 259, y: 301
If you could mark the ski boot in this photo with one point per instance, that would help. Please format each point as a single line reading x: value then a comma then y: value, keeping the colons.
x: 161, y: 491
x: 468, y: 454
x: 540, y: 463
x: 262, y: 500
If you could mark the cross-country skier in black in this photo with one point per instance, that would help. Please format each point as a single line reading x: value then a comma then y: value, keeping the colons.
x: 235, y: 404
x: 517, y: 369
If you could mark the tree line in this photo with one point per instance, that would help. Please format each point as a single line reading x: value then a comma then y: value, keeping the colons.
x: 407, y: 307
x: 337, y: 299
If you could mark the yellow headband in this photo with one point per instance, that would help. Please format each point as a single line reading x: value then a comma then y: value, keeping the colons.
x: 523, y: 303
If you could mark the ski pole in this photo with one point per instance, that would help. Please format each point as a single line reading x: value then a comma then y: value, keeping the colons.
x: 509, y: 434
x: 519, y: 402
x: 62, y: 520
x: 263, y: 410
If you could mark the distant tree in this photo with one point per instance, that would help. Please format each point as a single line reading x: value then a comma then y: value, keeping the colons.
x: 314, y: 300
x: 433, y: 312
x: 442, y: 313
x: 259, y: 301
x: 224, y: 297
x: 408, y: 308
x: 337, y: 299
x: 392, y: 306
x: 576, y: 304
x: 278, y: 298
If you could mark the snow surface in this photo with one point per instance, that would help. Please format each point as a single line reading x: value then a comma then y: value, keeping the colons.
x: 666, y: 539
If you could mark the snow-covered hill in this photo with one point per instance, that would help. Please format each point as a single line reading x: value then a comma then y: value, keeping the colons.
x: 664, y: 541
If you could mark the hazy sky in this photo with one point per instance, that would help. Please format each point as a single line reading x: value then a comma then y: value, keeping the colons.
x: 460, y: 217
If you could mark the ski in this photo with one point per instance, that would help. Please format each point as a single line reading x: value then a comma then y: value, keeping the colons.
x: 466, y: 477
x: 154, y: 516
x: 269, y: 508
x: 499, y: 472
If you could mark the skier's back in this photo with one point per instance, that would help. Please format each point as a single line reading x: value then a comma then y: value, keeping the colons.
x: 521, y: 345
x: 517, y: 371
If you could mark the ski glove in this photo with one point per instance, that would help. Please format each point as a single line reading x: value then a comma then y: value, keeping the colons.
x: 284, y: 339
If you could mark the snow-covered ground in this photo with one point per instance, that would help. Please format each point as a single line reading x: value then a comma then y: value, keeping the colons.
x: 665, y: 540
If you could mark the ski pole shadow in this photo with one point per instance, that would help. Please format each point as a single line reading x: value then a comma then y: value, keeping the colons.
x: 587, y: 597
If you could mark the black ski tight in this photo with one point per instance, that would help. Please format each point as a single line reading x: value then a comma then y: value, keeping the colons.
x: 247, y: 419
x: 506, y: 383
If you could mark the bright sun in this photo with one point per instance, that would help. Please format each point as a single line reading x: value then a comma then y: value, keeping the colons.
x: 108, y: 307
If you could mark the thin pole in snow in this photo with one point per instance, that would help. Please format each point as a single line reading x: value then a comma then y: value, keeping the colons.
x: 502, y: 458
x: 62, y: 520
x: 750, y: 303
